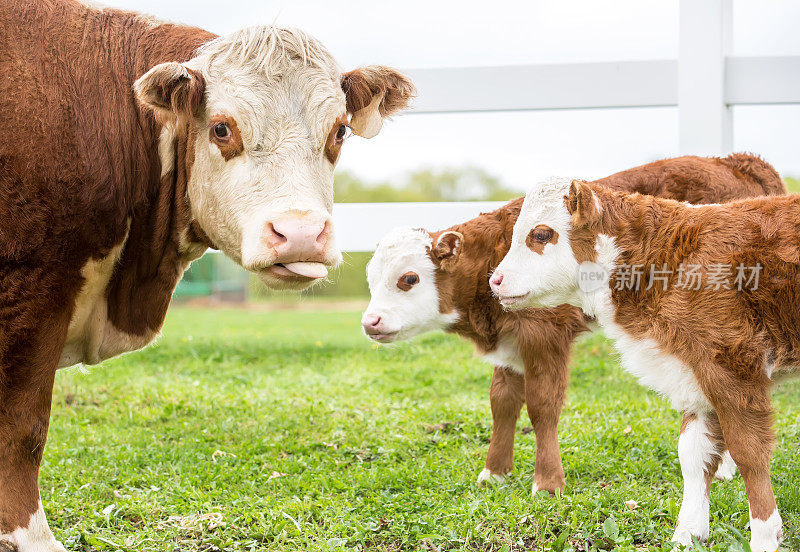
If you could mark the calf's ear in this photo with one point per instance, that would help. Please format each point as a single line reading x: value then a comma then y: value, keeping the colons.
x: 373, y: 93
x: 581, y: 203
x: 447, y: 247
x: 171, y: 90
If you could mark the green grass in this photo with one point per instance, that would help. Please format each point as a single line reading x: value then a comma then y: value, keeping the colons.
x: 287, y: 431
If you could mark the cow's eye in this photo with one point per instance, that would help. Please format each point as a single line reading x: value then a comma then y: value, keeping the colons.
x: 341, y: 132
x: 222, y: 130
x: 543, y: 235
x: 407, y: 281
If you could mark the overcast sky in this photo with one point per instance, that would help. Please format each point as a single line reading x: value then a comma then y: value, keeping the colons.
x: 521, y: 146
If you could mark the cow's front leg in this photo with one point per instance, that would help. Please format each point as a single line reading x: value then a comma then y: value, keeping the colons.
x: 507, y: 397
x: 700, y: 446
x: 27, y: 366
x: 24, y: 425
x: 546, y: 381
x: 24, y: 422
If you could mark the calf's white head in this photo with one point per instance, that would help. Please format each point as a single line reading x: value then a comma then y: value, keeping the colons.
x: 267, y: 111
x: 405, y: 300
x: 541, y: 268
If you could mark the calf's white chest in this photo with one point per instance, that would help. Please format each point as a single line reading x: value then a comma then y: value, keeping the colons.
x: 506, y: 355
x: 642, y: 357
x: 660, y: 371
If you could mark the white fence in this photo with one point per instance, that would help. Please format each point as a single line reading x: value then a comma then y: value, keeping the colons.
x: 703, y: 83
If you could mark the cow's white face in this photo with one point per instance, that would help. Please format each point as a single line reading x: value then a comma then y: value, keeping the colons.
x: 540, y: 269
x: 402, y: 283
x: 270, y: 121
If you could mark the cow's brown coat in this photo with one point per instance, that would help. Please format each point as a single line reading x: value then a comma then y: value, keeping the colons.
x: 545, y: 336
x: 80, y: 174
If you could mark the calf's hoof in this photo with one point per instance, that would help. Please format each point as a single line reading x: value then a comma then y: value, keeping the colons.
x: 486, y: 477
x: 549, y: 486
x: 23, y: 540
x: 726, y: 469
x: 766, y: 535
x: 684, y: 535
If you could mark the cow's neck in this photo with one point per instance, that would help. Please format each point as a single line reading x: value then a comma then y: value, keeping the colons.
x: 162, y: 239
x: 140, y: 167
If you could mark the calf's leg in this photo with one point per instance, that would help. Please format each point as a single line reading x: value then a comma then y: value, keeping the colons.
x: 507, y: 397
x: 749, y: 436
x: 546, y: 379
x: 727, y: 468
x: 700, y: 448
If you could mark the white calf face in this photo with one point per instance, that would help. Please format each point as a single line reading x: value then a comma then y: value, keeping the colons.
x: 540, y: 269
x: 402, y: 283
x: 270, y: 115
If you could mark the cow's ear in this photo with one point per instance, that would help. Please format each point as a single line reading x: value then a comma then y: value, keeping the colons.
x: 171, y: 90
x: 372, y: 93
x: 447, y: 247
x: 581, y: 203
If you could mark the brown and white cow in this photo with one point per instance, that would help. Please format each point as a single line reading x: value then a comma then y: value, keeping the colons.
x: 713, y: 343
x: 129, y: 146
x: 423, y: 281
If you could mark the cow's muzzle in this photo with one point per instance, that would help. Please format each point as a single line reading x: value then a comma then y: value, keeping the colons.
x: 294, y: 249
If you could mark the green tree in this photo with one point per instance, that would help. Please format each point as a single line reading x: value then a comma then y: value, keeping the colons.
x: 449, y: 184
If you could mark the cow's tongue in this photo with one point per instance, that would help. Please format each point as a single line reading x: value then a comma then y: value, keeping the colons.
x: 309, y: 270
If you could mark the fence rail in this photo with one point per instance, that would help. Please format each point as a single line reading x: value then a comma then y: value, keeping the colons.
x: 703, y: 83
x: 359, y: 226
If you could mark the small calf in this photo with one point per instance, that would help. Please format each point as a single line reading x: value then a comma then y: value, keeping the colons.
x: 422, y: 281
x: 711, y: 322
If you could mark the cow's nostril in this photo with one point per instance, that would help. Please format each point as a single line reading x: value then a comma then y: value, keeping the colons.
x: 322, y: 238
x: 496, y: 279
x: 274, y: 236
x: 296, y: 238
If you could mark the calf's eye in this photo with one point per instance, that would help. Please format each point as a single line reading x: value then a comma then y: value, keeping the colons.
x: 222, y: 130
x: 542, y: 236
x: 407, y: 281
x: 341, y: 133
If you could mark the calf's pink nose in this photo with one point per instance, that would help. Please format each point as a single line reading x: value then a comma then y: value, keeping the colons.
x: 298, y: 238
x: 496, y: 280
x: 371, y: 321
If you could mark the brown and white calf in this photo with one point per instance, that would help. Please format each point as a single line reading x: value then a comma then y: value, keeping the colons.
x: 713, y: 345
x: 422, y: 281
x: 131, y: 145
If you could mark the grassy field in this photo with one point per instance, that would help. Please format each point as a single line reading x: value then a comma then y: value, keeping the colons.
x: 288, y: 431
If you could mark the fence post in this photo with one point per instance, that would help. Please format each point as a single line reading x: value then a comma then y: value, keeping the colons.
x: 705, y: 40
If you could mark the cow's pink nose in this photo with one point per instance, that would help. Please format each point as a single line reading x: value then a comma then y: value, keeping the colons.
x: 298, y: 238
x: 496, y: 280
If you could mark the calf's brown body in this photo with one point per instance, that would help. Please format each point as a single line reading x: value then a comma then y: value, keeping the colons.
x: 737, y: 340
x: 544, y: 337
